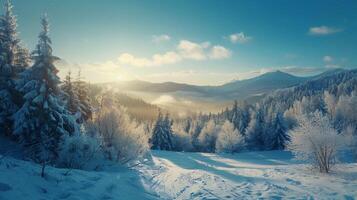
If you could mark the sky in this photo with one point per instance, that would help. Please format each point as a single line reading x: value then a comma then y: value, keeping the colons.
x: 203, y: 42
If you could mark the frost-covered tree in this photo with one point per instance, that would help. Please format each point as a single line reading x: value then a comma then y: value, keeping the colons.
x: 240, y: 117
x: 42, y: 120
x: 208, y: 136
x: 81, y: 90
x: 13, y: 59
x: 162, y: 134
x: 346, y: 109
x: 77, y: 98
x: 229, y: 140
x: 80, y: 151
x: 70, y: 96
x: 278, y: 136
x: 330, y: 103
x: 316, y: 141
x: 255, y: 131
x: 123, y: 140
x: 181, y: 137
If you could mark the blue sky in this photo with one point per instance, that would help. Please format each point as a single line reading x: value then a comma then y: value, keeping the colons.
x: 199, y: 42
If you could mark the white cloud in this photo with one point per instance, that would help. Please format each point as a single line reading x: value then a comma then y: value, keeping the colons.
x: 219, y: 52
x: 156, y: 60
x: 327, y: 59
x: 192, y: 50
x: 323, y: 30
x: 160, y: 38
x: 185, y: 50
x: 239, y: 38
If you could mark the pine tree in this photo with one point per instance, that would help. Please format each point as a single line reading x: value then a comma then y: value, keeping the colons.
x: 13, y: 56
x: 81, y: 89
x: 255, y: 131
x: 279, y: 136
x: 42, y: 120
x: 235, y: 115
x: 70, y: 95
x: 162, y: 134
x: 240, y: 117
x: 10, y: 66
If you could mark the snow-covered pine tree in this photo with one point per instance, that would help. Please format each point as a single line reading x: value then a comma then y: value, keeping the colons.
x: 85, y: 107
x: 23, y: 59
x: 11, y: 63
x: 42, y: 120
x: 235, y: 115
x: 162, y: 134
x: 255, y: 131
x: 70, y: 95
x: 12, y: 54
x: 278, y: 137
x: 240, y: 117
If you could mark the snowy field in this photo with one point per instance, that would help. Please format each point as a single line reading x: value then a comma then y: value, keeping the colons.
x: 175, y: 175
x: 255, y: 175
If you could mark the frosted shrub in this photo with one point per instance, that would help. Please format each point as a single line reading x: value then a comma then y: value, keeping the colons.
x: 316, y: 141
x: 132, y: 143
x: 229, y: 140
x: 208, y: 136
x: 124, y: 140
x: 80, y: 152
x: 181, y: 139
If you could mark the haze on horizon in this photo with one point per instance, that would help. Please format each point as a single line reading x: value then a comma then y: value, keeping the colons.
x: 197, y: 42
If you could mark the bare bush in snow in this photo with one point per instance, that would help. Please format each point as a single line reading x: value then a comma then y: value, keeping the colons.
x: 316, y: 141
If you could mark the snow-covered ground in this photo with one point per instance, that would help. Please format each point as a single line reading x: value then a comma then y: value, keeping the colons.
x: 175, y: 175
x: 253, y: 175
x: 20, y: 180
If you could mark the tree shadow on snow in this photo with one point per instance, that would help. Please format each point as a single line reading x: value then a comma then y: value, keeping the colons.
x: 225, y: 168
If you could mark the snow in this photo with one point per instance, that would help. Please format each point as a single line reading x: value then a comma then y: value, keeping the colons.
x: 179, y: 175
x: 252, y: 175
x: 21, y: 180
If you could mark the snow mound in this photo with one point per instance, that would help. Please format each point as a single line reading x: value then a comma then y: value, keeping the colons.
x: 21, y: 180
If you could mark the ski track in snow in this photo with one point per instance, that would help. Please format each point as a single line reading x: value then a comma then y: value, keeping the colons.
x: 176, y: 175
x: 254, y: 175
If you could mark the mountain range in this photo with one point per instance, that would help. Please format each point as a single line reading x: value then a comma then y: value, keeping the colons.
x: 239, y: 89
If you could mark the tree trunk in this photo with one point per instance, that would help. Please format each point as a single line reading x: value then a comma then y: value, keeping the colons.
x: 43, y: 169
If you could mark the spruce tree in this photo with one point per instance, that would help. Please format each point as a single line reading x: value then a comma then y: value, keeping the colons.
x: 279, y: 136
x: 81, y: 89
x: 70, y: 95
x: 13, y: 55
x: 255, y: 131
x: 162, y: 134
x: 12, y: 61
x: 42, y: 120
